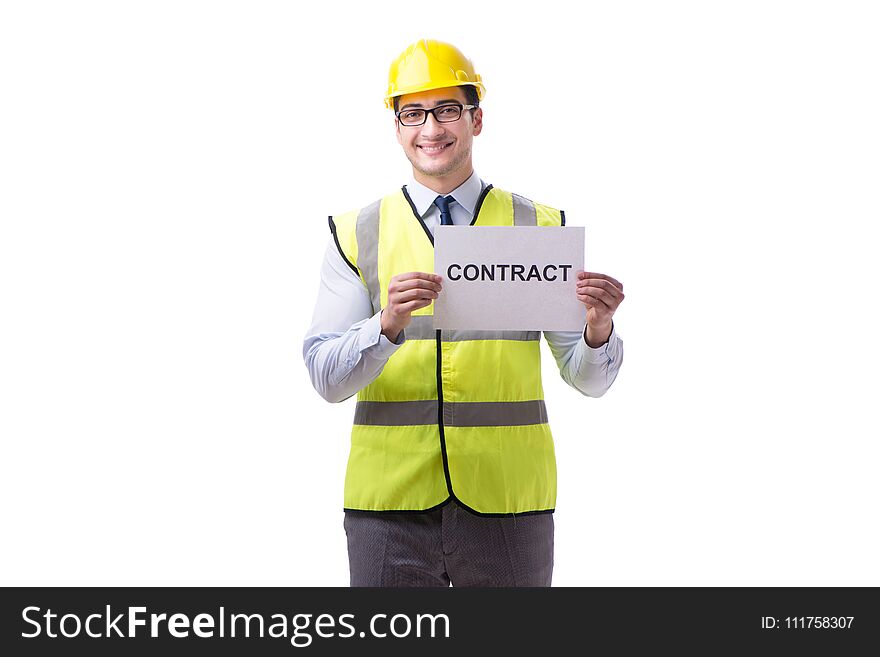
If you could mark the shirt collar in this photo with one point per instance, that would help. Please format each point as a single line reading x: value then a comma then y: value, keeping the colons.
x: 467, y: 194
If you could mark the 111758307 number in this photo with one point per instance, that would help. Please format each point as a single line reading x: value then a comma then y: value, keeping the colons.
x: 807, y: 622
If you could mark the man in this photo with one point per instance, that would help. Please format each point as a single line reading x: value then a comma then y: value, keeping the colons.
x: 451, y: 476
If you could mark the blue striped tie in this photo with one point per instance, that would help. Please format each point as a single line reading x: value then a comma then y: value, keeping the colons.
x: 443, y: 202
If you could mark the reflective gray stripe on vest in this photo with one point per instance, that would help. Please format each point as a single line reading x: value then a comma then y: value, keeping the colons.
x: 524, y: 212
x: 395, y: 414
x: 422, y: 328
x: 367, y: 234
x: 494, y: 414
x: 455, y: 414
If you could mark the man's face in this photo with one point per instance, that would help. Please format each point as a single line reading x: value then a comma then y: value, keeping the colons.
x: 439, y: 149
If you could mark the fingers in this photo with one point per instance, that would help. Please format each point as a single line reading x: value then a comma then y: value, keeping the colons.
x: 593, y: 276
x: 411, y: 306
x: 598, y: 303
x: 600, y: 294
x: 414, y: 284
x: 417, y: 275
x: 408, y: 292
x: 600, y: 288
x: 409, y: 295
x: 414, y: 280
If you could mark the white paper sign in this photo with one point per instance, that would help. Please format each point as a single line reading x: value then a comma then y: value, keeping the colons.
x: 510, y: 278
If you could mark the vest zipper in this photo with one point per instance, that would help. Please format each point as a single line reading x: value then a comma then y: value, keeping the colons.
x: 440, y: 415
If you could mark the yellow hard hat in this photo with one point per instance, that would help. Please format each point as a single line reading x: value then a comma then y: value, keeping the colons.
x: 429, y: 64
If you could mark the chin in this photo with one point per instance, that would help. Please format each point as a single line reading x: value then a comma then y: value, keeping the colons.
x: 437, y: 171
x: 431, y: 169
x: 439, y: 168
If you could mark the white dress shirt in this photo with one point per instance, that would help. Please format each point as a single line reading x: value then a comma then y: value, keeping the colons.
x: 344, y: 349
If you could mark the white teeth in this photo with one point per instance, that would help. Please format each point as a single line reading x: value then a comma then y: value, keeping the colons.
x: 433, y: 149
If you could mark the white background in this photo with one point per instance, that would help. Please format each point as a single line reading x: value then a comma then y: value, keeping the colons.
x: 166, y: 172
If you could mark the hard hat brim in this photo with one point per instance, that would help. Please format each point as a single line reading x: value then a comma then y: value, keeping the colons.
x: 389, y: 100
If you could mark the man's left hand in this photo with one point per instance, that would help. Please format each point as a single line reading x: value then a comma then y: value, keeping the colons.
x: 601, y: 295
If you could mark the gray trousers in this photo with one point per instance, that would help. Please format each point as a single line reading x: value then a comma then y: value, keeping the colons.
x: 449, y: 545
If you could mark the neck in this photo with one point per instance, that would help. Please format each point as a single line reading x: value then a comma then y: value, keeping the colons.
x: 444, y: 184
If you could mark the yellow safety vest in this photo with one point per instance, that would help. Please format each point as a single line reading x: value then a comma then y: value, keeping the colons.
x: 454, y: 414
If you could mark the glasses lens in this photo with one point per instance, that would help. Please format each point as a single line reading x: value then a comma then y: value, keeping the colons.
x: 412, y: 117
x: 448, y: 113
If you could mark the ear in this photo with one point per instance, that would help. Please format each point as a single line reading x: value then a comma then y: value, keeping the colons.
x: 478, y: 121
x: 397, y: 131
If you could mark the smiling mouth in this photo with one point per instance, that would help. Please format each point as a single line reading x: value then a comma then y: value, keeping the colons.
x: 431, y: 148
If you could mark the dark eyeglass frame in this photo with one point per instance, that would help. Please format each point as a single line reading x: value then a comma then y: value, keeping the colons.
x: 461, y: 109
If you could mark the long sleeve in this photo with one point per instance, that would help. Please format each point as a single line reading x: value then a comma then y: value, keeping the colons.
x: 344, y: 349
x: 589, y: 370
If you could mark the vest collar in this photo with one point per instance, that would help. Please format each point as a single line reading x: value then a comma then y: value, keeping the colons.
x: 485, y: 191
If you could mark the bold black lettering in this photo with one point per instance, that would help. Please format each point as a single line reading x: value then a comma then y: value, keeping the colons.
x: 546, y: 275
x: 449, y: 272
x: 517, y: 270
x: 476, y: 272
x: 533, y: 273
x: 488, y: 274
x: 503, y: 269
x: 565, y: 269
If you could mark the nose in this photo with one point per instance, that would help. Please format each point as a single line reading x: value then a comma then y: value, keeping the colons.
x: 432, y: 128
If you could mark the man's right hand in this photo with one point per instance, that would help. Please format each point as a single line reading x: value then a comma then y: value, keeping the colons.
x: 406, y: 293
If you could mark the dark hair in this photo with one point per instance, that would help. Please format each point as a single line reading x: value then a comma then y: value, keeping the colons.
x: 470, y: 94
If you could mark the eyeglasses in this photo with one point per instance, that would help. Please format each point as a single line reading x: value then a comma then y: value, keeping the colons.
x: 442, y: 114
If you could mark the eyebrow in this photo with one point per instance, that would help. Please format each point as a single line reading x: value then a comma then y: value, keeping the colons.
x: 445, y: 101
